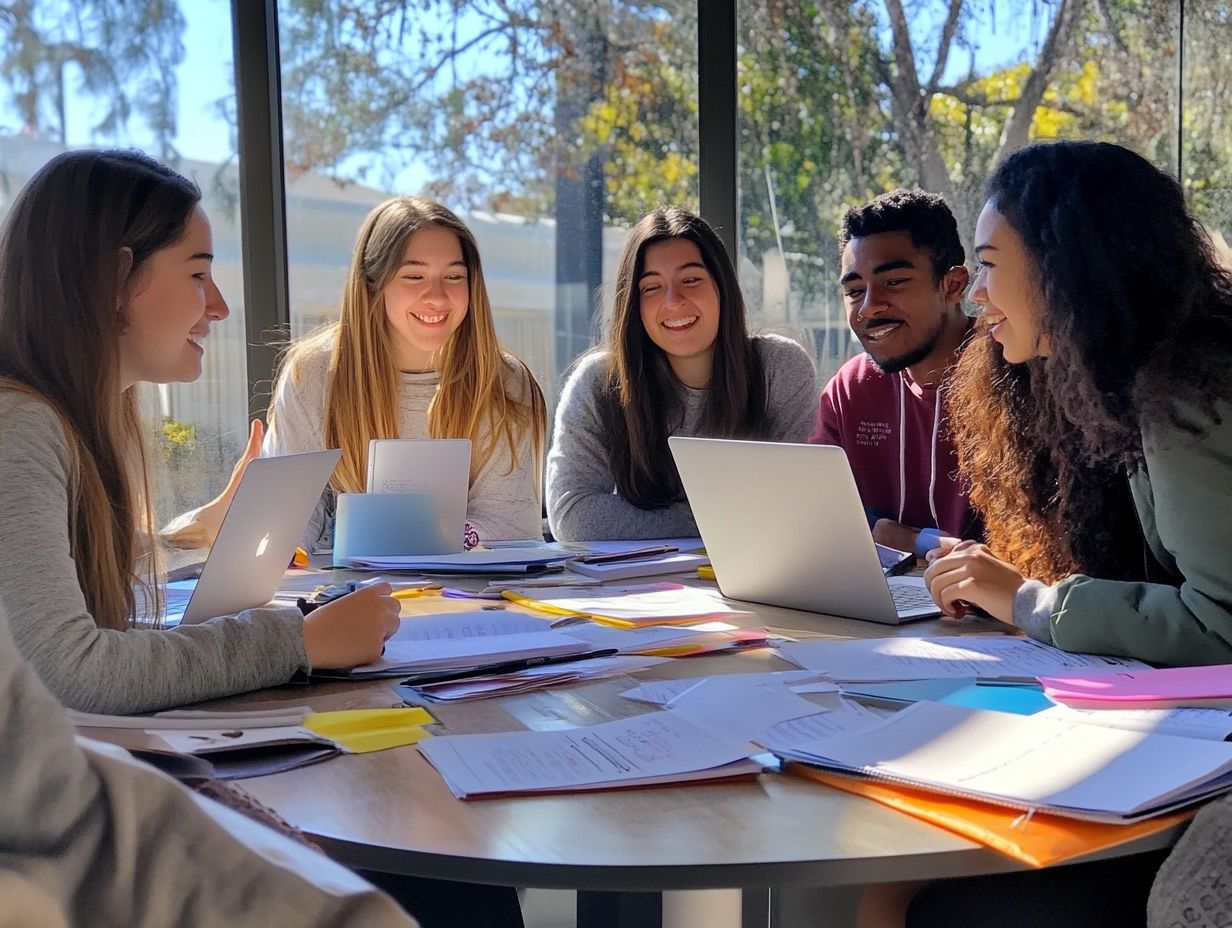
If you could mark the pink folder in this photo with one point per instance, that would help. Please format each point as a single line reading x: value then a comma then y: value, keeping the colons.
x: 1207, y: 687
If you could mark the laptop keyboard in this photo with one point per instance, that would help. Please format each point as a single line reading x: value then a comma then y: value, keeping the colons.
x: 911, y: 597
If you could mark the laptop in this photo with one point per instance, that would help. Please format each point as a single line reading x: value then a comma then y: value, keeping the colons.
x: 783, y: 525
x: 431, y: 478
x: 257, y: 538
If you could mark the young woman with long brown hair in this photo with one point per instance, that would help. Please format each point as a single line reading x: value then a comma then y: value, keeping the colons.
x: 677, y: 359
x: 105, y: 284
x: 415, y: 355
x: 1112, y: 313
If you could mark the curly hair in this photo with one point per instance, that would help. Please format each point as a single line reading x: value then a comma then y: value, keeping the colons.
x: 924, y: 216
x: 1137, y: 307
x: 1045, y: 510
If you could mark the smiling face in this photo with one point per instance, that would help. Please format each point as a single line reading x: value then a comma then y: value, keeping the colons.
x: 428, y: 297
x: 168, y: 305
x: 679, y: 305
x: 895, y: 305
x: 1006, y: 289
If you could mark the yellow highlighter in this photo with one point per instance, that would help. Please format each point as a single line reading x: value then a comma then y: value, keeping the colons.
x: 705, y: 572
x: 415, y: 593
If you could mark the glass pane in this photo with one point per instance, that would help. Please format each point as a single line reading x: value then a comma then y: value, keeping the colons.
x: 842, y: 101
x: 546, y: 126
x: 155, y: 76
x: 1207, y: 128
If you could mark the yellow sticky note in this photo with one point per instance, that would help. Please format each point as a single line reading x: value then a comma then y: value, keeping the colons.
x: 363, y: 730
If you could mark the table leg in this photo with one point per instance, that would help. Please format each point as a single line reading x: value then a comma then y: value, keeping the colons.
x: 703, y: 908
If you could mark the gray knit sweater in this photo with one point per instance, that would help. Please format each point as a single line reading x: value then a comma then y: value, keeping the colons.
x: 582, y: 502
x: 102, y: 670
x: 1193, y: 888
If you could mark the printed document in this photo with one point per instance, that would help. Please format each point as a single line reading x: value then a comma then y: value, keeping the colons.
x: 660, y: 747
x: 884, y: 659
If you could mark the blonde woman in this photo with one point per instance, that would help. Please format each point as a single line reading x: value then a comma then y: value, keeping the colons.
x: 415, y: 355
x: 105, y: 283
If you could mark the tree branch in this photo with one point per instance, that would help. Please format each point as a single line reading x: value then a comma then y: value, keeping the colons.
x: 943, y: 47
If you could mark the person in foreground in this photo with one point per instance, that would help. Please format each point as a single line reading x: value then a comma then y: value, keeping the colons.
x: 677, y: 359
x: 105, y: 284
x: 903, y: 278
x: 1095, y: 277
x: 89, y: 836
x: 415, y: 355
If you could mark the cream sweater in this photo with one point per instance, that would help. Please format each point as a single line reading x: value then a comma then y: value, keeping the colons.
x: 503, y: 503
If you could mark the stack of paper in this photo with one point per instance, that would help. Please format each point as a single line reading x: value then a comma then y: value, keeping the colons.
x: 1200, y: 687
x: 655, y: 749
x: 630, y: 606
x: 526, y: 680
x: 1027, y: 762
x: 675, y: 563
x: 906, y: 658
x: 464, y: 641
x: 670, y: 640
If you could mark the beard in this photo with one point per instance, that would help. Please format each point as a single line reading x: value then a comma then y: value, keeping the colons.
x: 913, y: 355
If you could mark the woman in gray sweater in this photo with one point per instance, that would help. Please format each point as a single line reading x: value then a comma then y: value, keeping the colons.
x: 677, y: 360
x: 104, y: 284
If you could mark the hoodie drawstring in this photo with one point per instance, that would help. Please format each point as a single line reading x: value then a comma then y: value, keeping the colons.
x: 902, y: 453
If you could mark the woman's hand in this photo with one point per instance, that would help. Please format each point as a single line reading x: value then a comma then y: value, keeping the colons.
x: 945, y: 545
x: 971, y: 576
x: 201, y: 531
x: 352, y: 629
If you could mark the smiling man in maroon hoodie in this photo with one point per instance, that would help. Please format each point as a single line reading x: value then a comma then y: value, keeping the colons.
x: 903, y: 280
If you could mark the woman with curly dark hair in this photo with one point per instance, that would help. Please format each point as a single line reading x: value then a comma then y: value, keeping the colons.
x: 1112, y: 323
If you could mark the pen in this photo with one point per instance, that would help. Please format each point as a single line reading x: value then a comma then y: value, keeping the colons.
x: 1007, y: 681
x: 448, y: 676
x: 627, y: 555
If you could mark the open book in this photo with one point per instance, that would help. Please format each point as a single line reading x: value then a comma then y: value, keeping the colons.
x: 1028, y: 762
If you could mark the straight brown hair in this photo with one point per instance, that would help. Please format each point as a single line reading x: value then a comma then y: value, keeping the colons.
x: 62, y: 292
x: 642, y: 398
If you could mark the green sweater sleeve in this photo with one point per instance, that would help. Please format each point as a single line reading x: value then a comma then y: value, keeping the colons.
x: 1184, y: 496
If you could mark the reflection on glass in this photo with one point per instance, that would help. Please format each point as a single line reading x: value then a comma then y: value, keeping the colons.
x: 155, y: 76
x: 546, y: 126
x: 842, y: 101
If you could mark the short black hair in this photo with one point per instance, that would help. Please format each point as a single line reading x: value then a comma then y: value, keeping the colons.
x: 925, y: 216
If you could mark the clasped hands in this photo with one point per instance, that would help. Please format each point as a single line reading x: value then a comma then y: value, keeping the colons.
x: 968, y: 574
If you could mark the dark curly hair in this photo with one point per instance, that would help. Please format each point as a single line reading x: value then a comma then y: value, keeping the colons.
x: 1137, y: 308
x: 1137, y: 311
x: 924, y: 216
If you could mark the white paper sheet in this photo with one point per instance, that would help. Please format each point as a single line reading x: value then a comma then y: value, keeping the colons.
x: 1211, y: 724
x: 643, y: 603
x: 453, y: 653
x: 908, y: 658
x: 622, y: 752
x: 733, y: 706
x: 460, y: 625
x: 196, y: 741
x: 192, y: 719
x: 847, y: 718
x: 663, y: 692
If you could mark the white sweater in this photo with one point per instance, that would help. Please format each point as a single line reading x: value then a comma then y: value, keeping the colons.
x: 502, y: 503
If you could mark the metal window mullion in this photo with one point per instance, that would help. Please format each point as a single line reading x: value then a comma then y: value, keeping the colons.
x: 716, y: 117
x: 263, y: 214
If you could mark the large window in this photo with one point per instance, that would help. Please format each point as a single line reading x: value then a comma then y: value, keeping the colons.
x: 155, y: 76
x: 548, y: 126
x: 842, y: 101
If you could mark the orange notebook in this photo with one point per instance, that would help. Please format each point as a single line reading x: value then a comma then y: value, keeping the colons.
x: 1037, y: 840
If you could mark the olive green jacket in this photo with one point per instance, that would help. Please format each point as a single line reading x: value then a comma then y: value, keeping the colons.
x: 1183, y: 494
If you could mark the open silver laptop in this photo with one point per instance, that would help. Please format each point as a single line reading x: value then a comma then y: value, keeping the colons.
x: 783, y: 525
x: 258, y: 535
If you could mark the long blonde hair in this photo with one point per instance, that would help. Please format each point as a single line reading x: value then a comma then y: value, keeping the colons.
x: 62, y: 286
x: 472, y: 400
